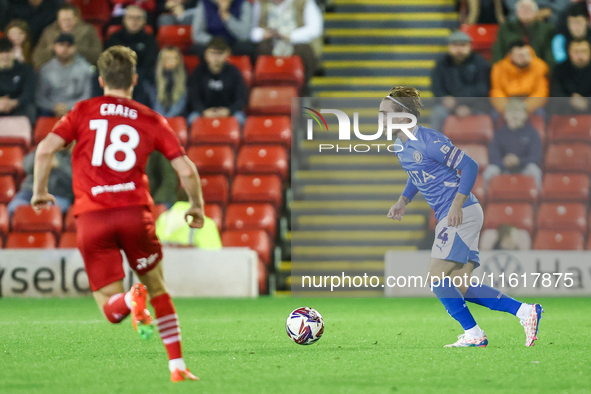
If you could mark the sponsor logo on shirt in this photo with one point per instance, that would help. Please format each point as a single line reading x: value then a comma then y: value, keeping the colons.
x: 120, y: 187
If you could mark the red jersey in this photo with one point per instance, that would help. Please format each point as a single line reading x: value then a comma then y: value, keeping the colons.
x: 115, y: 137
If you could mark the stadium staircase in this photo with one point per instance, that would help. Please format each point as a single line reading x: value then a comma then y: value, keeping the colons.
x: 372, y: 46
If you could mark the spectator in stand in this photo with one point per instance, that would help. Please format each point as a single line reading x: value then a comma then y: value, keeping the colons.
x: 516, y: 147
x: 536, y: 33
x: 177, y: 12
x: 164, y: 182
x: 68, y: 21
x: 576, y: 28
x: 230, y: 19
x: 573, y: 79
x: 284, y: 28
x: 59, y: 185
x: 17, y: 84
x: 506, y: 237
x: 64, y: 80
x: 19, y: 33
x: 119, y: 7
x: 547, y: 10
x: 520, y: 74
x: 458, y: 76
x: 169, y: 96
x: 4, y: 7
x: 216, y: 88
x: 132, y: 35
x: 485, y: 12
x: 37, y: 13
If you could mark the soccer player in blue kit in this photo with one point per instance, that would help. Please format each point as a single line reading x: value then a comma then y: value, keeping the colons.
x: 433, y: 163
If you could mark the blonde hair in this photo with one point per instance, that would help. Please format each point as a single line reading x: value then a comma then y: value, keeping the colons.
x: 179, y: 78
x: 24, y: 26
x: 116, y: 66
x: 409, y: 97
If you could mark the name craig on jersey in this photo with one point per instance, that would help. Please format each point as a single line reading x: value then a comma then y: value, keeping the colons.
x: 117, y: 110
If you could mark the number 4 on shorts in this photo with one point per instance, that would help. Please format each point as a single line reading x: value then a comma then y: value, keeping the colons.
x: 443, y: 235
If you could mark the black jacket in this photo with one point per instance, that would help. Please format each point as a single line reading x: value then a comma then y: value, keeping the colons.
x: 567, y: 79
x: 226, y: 89
x: 38, y: 18
x: 144, y: 45
x: 18, y: 83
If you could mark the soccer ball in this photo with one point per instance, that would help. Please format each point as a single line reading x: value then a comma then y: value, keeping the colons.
x: 304, y: 326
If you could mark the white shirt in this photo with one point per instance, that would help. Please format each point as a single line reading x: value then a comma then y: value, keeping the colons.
x: 312, y: 28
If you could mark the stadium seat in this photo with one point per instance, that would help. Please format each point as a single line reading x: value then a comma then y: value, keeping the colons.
x: 257, y: 188
x: 179, y: 125
x: 224, y: 130
x: 276, y: 71
x: 94, y: 10
x: 513, y: 187
x: 214, y: 212
x: 263, y: 159
x: 262, y: 277
x: 478, y: 152
x: 213, y: 159
x: 520, y: 215
x: 483, y: 37
x: 558, y: 240
x: 43, y: 126
x: 568, y: 157
x: 175, y: 35
x: 540, y: 125
x: 70, y: 221
x: 191, y: 63
x: 244, y: 64
x: 27, y: 240
x: 244, y: 216
x: 115, y: 28
x: 4, y: 221
x: 15, y: 130
x: 566, y: 187
x: 568, y: 128
x: 157, y: 210
x: 25, y: 218
x: 271, y: 100
x: 268, y: 129
x: 474, y: 129
x: 11, y: 160
x: 479, y: 190
x: 215, y: 189
x: 7, y: 189
x: 68, y: 241
x: 561, y: 217
x: 257, y: 240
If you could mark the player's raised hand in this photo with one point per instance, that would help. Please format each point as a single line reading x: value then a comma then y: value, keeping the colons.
x: 42, y: 201
x: 195, y: 217
x: 397, y: 211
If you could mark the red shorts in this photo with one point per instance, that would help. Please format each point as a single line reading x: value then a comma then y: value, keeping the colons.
x: 103, y: 234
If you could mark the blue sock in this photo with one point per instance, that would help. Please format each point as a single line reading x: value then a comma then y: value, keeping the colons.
x: 492, y: 299
x: 453, y: 301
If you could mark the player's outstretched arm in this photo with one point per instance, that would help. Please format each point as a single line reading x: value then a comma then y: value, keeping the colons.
x: 397, y: 210
x: 190, y: 181
x: 44, y: 156
x: 469, y: 169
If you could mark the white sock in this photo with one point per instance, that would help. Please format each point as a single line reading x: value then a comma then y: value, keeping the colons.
x: 128, y: 300
x: 475, y: 332
x: 177, y: 363
x: 524, y: 311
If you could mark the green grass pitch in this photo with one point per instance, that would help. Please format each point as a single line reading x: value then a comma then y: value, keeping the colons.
x: 240, y: 346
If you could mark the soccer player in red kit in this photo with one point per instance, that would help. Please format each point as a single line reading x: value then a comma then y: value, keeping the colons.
x: 114, y: 136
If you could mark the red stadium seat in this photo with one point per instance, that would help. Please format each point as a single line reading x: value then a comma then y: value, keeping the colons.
x: 11, y: 160
x: 561, y: 217
x: 263, y: 159
x: 244, y: 65
x: 478, y: 152
x: 271, y: 100
x: 215, y: 189
x: 191, y: 63
x: 4, y: 221
x: 175, y: 35
x: 157, y: 210
x: 68, y: 241
x: 567, y: 128
x: 479, y: 190
x: 568, y: 157
x: 513, y: 187
x: 483, y: 37
x: 27, y: 240
x: 257, y: 240
x: 214, y: 212
x: 566, y: 188
x: 224, y: 130
x: 540, y: 125
x: 243, y: 216
x: 268, y: 129
x: 257, y: 188
x: 7, y: 189
x: 520, y: 215
x: 213, y: 159
x: 25, y: 218
x: 179, y: 125
x: 274, y: 71
x: 474, y: 129
x: 558, y: 240
x: 94, y: 10
x: 15, y: 130
x: 43, y: 127
x: 70, y: 221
